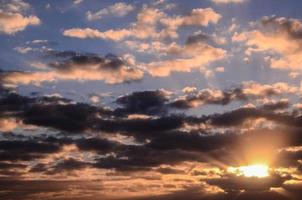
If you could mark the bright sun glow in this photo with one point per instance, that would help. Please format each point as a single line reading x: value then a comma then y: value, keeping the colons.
x: 257, y: 170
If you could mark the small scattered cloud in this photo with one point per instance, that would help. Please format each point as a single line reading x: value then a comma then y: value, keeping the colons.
x: 228, y: 1
x: 118, y: 10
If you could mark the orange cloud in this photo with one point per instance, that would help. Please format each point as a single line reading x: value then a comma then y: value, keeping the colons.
x: 281, y: 36
x: 195, y: 56
x: 12, y: 20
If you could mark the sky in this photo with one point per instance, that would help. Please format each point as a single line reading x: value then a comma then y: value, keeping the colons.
x: 143, y: 100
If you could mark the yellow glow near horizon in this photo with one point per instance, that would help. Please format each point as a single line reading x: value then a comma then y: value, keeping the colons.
x: 257, y: 170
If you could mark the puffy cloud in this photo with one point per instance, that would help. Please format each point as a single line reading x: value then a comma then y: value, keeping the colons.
x: 248, y: 91
x: 76, y: 2
x: 234, y: 183
x: 8, y: 125
x: 197, y: 17
x: 189, y: 90
x: 11, y: 18
x: 239, y: 37
x: 262, y: 90
x: 111, y: 69
x: 160, y: 145
x: 228, y: 1
x: 96, y: 34
x: 219, y: 69
x: 281, y: 36
x: 119, y: 9
x: 143, y: 102
x: 148, y: 21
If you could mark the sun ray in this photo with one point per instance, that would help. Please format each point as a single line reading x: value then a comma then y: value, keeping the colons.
x: 255, y: 170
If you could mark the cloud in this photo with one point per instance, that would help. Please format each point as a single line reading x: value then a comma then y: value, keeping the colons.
x: 197, y: 17
x: 119, y: 9
x: 12, y: 20
x: 154, y: 24
x: 248, y: 91
x: 76, y: 2
x: 145, y: 102
x: 110, y: 69
x: 228, y: 1
x: 233, y: 183
x: 148, y: 21
x: 106, y: 140
x: 25, y: 150
x: 193, y: 55
x: 279, y: 35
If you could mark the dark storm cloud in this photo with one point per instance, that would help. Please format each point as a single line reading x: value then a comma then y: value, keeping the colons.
x: 80, y: 117
x: 145, y: 102
x: 191, y: 141
x: 238, y: 116
x: 14, y: 150
x: 140, y: 127
x: 5, y: 165
x: 162, y: 140
x: 53, y: 112
x: 169, y: 170
x: 71, y: 118
x: 132, y: 158
x: 28, y: 147
x: 236, y: 183
x: 66, y: 165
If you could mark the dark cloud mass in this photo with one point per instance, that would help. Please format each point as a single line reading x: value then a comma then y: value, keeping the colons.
x: 197, y: 101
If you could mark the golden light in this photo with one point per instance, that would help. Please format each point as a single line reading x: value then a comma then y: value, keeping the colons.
x: 257, y: 170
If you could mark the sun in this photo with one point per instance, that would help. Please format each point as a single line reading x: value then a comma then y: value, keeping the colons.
x: 256, y: 170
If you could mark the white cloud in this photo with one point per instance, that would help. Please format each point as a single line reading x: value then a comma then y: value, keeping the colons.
x: 76, y: 2
x: 118, y: 9
x: 12, y: 19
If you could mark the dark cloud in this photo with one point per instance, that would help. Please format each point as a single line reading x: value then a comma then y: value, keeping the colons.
x: 133, y: 158
x: 70, y: 65
x: 236, y: 183
x: 169, y: 170
x: 279, y: 105
x: 5, y: 165
x: 96, y: 144
x: 67, y: 165
x: 28, y: 146
x: 198, y: 193
x: 29, y: 189
x: 13, y: 150
x: 200, y: 38
x: 146, y: 102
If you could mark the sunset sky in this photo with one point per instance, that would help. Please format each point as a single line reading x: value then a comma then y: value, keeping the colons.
x: 151, y: 100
